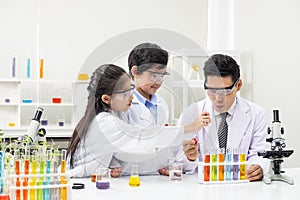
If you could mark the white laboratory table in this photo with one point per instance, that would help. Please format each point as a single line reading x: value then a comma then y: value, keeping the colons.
x: 160, y: 187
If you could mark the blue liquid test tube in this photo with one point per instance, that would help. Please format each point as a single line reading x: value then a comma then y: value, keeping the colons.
x: 228, y: 164
x: 235, y: 167
x: 28, y: 68
x: 46, y: 191
x: 48, y: 165
x: 55, y: 192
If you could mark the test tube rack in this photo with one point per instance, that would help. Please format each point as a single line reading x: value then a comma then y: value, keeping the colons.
x: 222, y: 172
x: 24, y: 192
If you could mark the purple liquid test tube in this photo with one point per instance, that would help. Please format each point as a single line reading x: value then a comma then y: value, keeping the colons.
x: 13, y: 67
x: 235, y: 167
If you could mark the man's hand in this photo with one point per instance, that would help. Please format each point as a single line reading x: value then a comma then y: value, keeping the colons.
x: 201, y: 121
x: 163, y: 171
x: 190, y: 148
x: 255, y: 173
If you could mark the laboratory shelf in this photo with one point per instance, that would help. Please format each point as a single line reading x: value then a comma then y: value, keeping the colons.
x: 40, y: 93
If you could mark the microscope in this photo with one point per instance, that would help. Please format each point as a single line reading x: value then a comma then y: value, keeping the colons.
x: 34, y: 133
x: 277, y: 153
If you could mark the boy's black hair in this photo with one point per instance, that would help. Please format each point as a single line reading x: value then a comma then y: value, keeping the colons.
x: 146, y: 55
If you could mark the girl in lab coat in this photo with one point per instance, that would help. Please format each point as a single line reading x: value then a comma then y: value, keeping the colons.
x: 101, y: 133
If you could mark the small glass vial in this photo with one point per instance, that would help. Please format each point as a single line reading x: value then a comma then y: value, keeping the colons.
x: 103, y: 179
x: 134, y: 180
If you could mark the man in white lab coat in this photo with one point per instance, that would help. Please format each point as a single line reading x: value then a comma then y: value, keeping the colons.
x: 147, y: 66
x: 244, y: 122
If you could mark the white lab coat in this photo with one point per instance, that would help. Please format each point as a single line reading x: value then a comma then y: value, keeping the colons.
x: 140, y: 115
x: 247, y: 129
x: 108, y: 135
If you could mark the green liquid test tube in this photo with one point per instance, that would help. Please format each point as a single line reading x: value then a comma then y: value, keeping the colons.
x: 214, y: 159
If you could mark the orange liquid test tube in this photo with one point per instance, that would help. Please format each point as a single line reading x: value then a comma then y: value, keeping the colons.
x: 17, y: 171
x: 25, y: 181
x: 41, y: 68
x: 63, y: 179
x: 221, y: 164
x: 207, y: 167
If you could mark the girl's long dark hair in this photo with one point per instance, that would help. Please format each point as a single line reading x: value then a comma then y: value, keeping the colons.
x: 103, y: 81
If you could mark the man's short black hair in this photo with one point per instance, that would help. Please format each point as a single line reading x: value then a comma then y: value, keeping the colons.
x: 146, y: 55
x: 222, y: 66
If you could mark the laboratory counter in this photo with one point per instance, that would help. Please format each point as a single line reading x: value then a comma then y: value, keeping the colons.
x: 160, y: 187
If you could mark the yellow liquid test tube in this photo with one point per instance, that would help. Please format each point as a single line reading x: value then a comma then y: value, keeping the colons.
x: 221, y: 156
x: 242, y: 166
x: 34, y: 166
x: 32, y: 191
x: 63, y: 179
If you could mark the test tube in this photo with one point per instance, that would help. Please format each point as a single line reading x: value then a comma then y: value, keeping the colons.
x: 39, y: 191
x: 1, y: 172
x: 235, y: 167
x: 55, y: 192
x: 32, y: 192
x: 63, y: 179
x: 41, y: 68
x: 228, y: 164
x: 42, y: 165
x: 34, y: 165
x: 48, y: 165
x: 17, y: 158
x: 242, y: 165
x: 46, y: 190
x: 207, y: 167
x: 221, y: 156
x: 26, y: 172
x: 214, y: 160
x: 28, y: 68
x: 13, y: 67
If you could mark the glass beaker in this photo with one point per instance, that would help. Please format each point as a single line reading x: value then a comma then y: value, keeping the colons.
x: 103, y: 178
x: 60, y: 119
x: 175, y: 170
x: 134, y: 179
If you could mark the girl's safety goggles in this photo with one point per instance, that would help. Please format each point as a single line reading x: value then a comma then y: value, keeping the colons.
x: 124, y: 95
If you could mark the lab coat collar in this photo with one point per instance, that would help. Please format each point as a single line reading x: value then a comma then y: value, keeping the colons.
x: 238, y: 124
x: 145, y: 113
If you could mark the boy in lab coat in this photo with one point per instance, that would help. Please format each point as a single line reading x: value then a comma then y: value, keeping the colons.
x: 148, y: 66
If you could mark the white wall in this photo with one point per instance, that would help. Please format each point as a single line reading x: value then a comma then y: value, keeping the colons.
x: 271, y: 30
x: 18, y: 35
x: 70, y: 30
